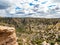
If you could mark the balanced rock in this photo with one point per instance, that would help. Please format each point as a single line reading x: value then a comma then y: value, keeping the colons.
x: 8, y: 36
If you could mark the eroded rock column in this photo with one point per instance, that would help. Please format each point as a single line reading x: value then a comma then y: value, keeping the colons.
x: 8, y: 36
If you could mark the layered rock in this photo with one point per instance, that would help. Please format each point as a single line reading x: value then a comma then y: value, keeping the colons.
x: 7, y: 36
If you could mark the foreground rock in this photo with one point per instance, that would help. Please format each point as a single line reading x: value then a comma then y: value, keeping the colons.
x: 7, y: 36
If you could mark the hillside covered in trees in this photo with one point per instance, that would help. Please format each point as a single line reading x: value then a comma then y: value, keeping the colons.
x: 34, y: 31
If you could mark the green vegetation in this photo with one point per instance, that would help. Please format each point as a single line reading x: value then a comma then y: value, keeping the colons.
x: 32, y: 31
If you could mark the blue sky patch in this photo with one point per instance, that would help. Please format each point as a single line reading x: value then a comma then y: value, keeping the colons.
x: 44, y: 2
x: 52, y: 6
x: 35, y: 0
x: 17, y: 8
x: 31, y: 4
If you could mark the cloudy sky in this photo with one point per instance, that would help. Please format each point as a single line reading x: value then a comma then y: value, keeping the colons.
x: 30, y: 8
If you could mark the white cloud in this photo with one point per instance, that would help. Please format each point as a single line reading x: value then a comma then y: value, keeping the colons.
x: 4, y: 4
x: 58, y: 1
x: 9, y: 7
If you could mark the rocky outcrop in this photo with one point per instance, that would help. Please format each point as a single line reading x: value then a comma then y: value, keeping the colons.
x: 7, y: 36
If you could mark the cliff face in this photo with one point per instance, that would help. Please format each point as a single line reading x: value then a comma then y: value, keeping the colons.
x: 7, y: 36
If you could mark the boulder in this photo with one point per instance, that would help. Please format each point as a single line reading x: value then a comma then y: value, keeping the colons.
x: 8, y: 36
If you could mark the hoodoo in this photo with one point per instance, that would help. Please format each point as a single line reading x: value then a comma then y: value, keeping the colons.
x: 8, y: 36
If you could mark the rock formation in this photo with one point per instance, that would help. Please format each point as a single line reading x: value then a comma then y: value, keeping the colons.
x: 7, y: 36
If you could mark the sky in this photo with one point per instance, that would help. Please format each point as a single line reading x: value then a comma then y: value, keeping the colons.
x: 30, y: 8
